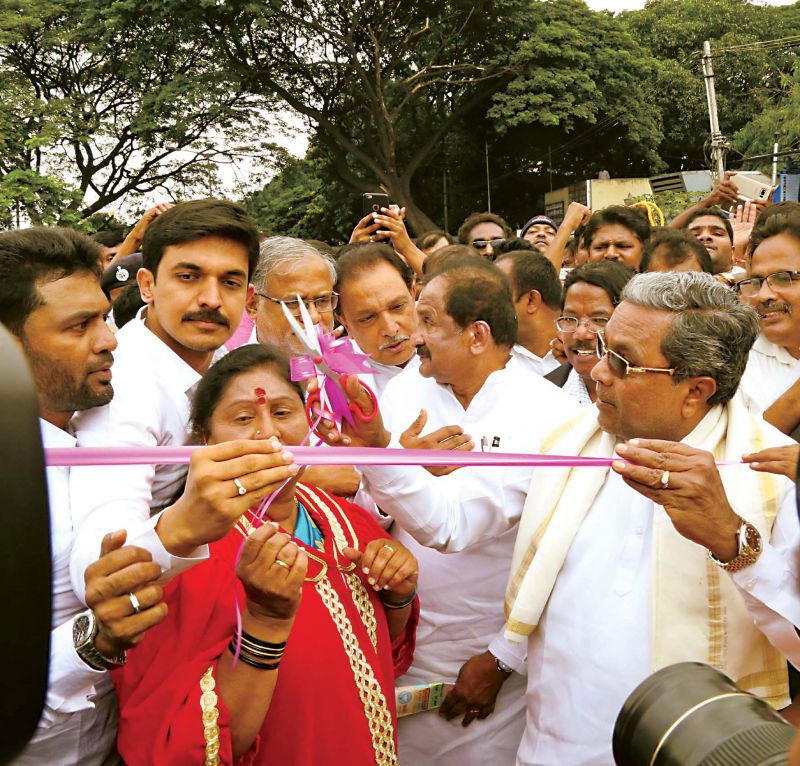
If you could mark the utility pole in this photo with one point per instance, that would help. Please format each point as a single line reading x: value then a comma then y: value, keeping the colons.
x: 444, y: 199
x: 775, y: 163
x: 719, y: 145
x: 488, y: 185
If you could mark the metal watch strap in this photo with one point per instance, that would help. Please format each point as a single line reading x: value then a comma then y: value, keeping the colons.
x: 502, y: 667
x: 86, y: 649
x: 750, y: 547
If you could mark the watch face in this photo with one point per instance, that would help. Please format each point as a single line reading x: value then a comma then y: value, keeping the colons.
x: 80, y: 629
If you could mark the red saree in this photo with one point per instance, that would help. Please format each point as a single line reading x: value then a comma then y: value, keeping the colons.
x: 334, y: 698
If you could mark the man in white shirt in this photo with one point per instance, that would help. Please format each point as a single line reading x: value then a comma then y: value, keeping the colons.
x: 537, y: 302
x: 50, y: 299
x: 468, y: 378
x: 197, y: 260
x: 610, y: 576
x: 376, y: 307
x: 771, y: 382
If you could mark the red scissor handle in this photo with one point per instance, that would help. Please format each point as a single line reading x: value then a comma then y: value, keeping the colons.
x: 354, y: 408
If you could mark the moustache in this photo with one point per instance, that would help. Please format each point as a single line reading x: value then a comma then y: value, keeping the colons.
x: 104, y: 359
x: 206, y: 315
x: 770, y: 306
x: 393, y: 342
x: 422, y: 351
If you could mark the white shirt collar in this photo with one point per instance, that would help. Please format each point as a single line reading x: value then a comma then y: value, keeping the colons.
x: 53, y: 436
x: 779, y: 353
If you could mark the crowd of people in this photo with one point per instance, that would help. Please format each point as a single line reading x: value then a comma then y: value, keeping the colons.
x: 245, y: 609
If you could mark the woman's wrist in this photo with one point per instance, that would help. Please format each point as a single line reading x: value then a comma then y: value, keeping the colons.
x: 393, y: 601
x: 265, y: 627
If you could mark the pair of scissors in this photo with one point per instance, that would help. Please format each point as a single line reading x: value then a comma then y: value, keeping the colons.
x: 331, y: 399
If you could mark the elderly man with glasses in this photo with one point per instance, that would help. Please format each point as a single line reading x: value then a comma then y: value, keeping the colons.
x: 771, y: 383
x: 661, y: 557
x: 288, y: 268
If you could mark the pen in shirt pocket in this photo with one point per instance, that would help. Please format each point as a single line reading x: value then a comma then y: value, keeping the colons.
x: 486, y: 447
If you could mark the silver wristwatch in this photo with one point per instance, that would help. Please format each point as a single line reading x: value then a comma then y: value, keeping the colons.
x: 750, y: 547
x: 84, y: 632
x: 502, y: 667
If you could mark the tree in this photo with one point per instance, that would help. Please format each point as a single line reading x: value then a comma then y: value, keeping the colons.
x: 748, y: 69
x: 101, y: 112
x: 577, y: 104
x: 382, y: 83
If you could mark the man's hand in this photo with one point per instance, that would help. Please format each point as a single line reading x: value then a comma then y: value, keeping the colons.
x: 212, y: 503
x: 557, y: 347
x: 446, y: 438
x: 779, y: 460
x: 362, y: 433
x: 724, y: 193
x: 365, y: 229
x: 742, y: 222
x: 475, y: 691
x: 576, y: 216
x: 121, y: 570
x: 133, y: 242
x: 686, y: 482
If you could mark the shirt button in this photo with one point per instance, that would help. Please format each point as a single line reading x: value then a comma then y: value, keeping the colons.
x: 639, y: 530
x: 749, y: 586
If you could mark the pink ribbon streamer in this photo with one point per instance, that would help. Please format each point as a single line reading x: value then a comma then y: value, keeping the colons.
x: 83, y: 456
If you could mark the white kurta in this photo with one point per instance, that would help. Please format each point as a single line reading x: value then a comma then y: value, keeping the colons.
x: 461, y: 595
x: 152, y: 394
x: 592, y: 646
x: 541, y: 365
x: 770, y: 371
x: 79, y: 720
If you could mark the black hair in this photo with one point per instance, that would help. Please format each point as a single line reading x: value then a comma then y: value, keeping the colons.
x: 782, y: 223
x: 430, y: 238
x: 126, y: 304
x: 512, y: 245
x: 532, y: 271
x: 436, y: 261
x: 213, y: 384
x: 631, y: 218
x: 675, y: 246
x: 30, y: 256
x: 358, y: 257
x: 190, y: 221
x: 474, y: 219
x: 610, y: 276
x: 476, y: 290
x: 109, y: 237
x: 716, y: 212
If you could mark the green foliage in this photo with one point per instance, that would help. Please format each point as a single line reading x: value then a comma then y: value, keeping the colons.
x: 670, y: 203
x: 25, y: 194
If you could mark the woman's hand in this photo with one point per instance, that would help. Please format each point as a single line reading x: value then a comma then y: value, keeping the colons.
x: 365, y: 229
x: 778, y: 460
x: 389, y: 567
x: 272, y: 569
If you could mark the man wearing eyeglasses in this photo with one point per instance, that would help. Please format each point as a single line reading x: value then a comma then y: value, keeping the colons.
x: 660, y: 558
x: 289, y: 267
x: 484, y: 231
x: 772, y: 287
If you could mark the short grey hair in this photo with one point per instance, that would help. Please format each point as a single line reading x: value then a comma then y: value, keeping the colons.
x: 712, y: 331
x: 276, y: 253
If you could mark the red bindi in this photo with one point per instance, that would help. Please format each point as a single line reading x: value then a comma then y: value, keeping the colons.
x: 261, y: 395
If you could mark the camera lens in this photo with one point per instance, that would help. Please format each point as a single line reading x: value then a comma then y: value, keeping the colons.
x: 692, y: 715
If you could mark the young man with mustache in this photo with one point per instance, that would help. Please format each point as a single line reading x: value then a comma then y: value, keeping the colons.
x: 197, y: 261
x: 770, y: 382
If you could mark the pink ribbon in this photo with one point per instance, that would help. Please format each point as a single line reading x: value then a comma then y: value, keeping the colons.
x: 82, y: 456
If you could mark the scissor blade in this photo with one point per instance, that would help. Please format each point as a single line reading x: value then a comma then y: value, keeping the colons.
x: 298, y: 331
x: 311, y: 333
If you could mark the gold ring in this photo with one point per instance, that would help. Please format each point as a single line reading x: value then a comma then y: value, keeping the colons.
x: 389, y: 547
x: 665, y: 480
x: 281, y: 563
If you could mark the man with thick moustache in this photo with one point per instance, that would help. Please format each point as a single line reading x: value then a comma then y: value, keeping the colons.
x: 663, y: 557
x: 197, y: 260
x: 467, y: 378
x: 771, y: 382
x: 51, y: 301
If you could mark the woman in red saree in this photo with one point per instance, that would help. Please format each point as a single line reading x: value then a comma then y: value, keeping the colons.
x: 328, y: 615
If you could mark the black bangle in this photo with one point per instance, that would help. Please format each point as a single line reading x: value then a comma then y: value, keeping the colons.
x: 257, y: 642
x: 259, y: 665
x: 271, y: 654
x: 402, y: 604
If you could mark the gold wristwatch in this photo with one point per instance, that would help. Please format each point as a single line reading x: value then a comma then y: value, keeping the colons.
x: 750, y: 548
